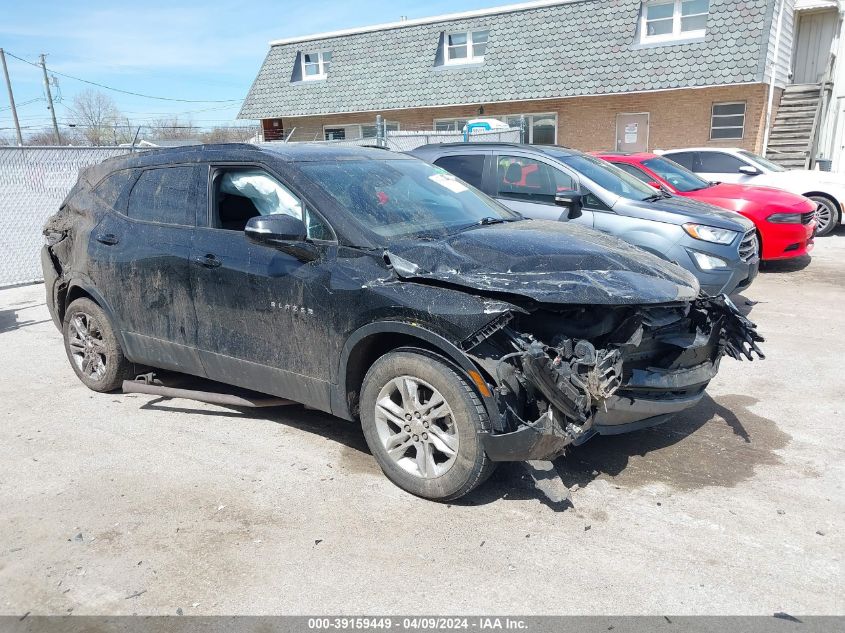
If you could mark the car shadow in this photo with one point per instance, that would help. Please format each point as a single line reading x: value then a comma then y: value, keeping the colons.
x: 716, y: 443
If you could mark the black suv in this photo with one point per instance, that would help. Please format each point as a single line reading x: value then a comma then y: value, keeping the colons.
x: 374, y: 286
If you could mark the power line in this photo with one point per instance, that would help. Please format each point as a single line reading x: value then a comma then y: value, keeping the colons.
x: 126, y: 92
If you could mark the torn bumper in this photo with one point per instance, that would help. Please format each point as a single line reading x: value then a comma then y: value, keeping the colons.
x: 659, y: 365
x: 51, y: 276
x: 623, y: 414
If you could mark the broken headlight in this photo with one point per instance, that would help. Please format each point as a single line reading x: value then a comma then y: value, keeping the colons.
x: 710, y: 233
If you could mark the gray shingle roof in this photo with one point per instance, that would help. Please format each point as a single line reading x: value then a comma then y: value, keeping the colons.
x: 582, y: 47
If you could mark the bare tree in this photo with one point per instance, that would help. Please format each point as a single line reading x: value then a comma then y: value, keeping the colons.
x: 42, y: 137
x: 6, y: 140
x: 95, y: 115
x: 173, y: 128
x: 230, y: 134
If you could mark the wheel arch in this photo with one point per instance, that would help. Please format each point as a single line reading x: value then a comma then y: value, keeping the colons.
x: 828, y: 196
x: 78, y: 289
x: 373, y: 340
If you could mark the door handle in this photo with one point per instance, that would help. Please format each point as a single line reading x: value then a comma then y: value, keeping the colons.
x: 109, y: 239
x: 208, y: 261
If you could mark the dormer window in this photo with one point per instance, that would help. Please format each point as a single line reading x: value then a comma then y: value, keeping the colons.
x: 316, y: 65
x: 465, y: 47
x: 667, y: 20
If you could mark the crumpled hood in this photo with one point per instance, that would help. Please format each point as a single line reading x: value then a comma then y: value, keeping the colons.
x: 548, y: 262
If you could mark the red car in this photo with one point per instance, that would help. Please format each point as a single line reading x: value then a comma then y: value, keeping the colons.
x: 785, y: 221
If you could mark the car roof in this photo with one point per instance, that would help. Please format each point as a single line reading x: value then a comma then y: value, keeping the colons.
x: 549, y: 150
x: 701, y: 149
x: 630, y: 156
x: 288, y: 152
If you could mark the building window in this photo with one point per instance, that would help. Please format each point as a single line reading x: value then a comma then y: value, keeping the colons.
x: 450, y: 125
x: 727, y: 121
x: 316, y: 65
x: 666, y: 20
x: 354, y: 131
x: 465, y: 47
x: 540, y: 129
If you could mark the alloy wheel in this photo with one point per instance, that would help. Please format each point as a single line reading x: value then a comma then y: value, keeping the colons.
x: 85, y: 339
x: 825, y: 214
x: 416, y: 426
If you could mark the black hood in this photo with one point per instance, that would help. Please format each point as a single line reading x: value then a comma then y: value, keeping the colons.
x: 548, y: 262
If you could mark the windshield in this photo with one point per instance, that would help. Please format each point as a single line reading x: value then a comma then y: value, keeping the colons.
x: 760, y: 161
x: 679, y: 177
x: 403, y: 198
x: 609, y: 177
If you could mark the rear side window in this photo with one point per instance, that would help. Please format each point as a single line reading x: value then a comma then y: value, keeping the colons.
x: 687, y: 159
x: 168, y: 195
x: 719, y: 163
x: 635, y: 172
x: 113, y: 190
x: 469, y: 168
x: 521, y: 178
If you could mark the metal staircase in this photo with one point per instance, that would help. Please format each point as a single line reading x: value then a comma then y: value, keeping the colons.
x: 793, y: 133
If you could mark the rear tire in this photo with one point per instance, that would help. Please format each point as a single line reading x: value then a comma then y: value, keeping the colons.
x: 92, y: 348
x: 827, y: 216
x: 422, y: 421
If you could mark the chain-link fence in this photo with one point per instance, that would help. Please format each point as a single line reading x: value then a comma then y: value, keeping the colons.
x: 33, y: 183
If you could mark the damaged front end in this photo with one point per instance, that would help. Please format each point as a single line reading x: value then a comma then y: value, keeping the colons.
x: 566, y: 373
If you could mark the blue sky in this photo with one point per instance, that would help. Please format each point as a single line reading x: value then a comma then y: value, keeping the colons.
x: 208, y: 50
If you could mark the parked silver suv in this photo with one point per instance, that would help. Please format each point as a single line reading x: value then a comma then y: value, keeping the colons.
x: 550, y: 182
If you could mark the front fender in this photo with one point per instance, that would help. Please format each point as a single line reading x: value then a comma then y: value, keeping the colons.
x: 340, y: 405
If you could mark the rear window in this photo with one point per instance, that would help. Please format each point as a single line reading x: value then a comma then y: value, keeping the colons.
x: 166, y: 195
x: 113, y: 190
x: 469, y: 168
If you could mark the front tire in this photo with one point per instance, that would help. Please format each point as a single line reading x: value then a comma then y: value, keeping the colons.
x: 92, y: 347
x: 422, y: 421
x: 827, y: 216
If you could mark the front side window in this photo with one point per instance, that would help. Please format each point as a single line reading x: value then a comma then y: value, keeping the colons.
x: 520, y: 178
x: 316, y: 65
x: 398, y: 199
x: 636, y: 172
x: 719, y: 163
x: 679, y: 177
x: 665, y: 20
x: 241, y: 194
x: 609, y: 177
x: 465, y: 47
x: 167, y: 195
x: 469, y: 168
x: 759, y: 161
x: 727, y: 121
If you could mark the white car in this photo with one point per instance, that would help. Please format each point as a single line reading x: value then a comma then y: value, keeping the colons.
x: 731, y: 164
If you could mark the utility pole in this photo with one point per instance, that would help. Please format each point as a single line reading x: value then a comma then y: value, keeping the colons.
x: 50, y: 101
x: 11, y: 98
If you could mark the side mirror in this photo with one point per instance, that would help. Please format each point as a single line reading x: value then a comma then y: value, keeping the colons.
x: 283, y: 232
x: 748, y: 170
x: 572, y: 201
x: 655, y: 185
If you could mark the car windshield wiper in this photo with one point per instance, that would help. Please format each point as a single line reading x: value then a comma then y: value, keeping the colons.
x: 660, y: 195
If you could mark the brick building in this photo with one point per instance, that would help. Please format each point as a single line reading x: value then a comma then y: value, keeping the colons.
x: 589, y: 74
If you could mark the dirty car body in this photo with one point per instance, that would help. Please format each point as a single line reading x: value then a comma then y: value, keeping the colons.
x: 561, y: 332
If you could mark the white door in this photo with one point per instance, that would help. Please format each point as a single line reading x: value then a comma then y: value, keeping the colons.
x: 815, y: 32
